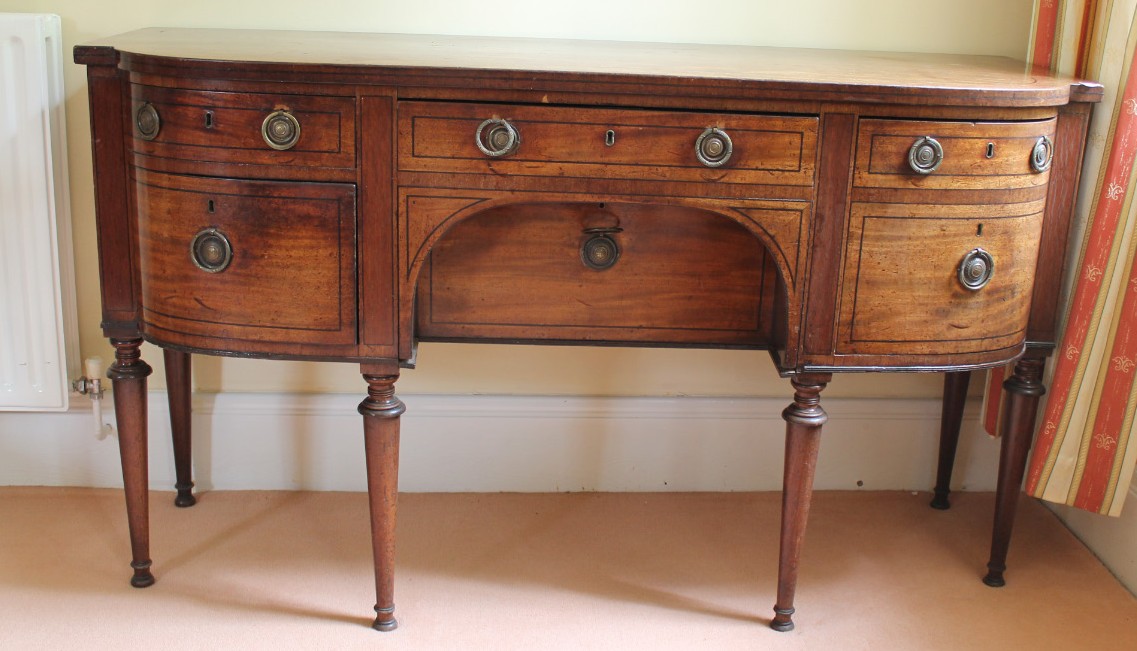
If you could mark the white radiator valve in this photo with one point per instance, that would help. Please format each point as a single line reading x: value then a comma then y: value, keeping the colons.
x: 91, y: 385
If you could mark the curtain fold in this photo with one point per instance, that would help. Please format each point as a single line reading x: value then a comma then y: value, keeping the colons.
x: 1085, y: 451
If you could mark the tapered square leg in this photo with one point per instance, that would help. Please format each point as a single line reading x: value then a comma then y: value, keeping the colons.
x: 128, y: 376
x: 955, y: 397
x: 381, y: 411
x: 804, y: 418
x: 179, y: 393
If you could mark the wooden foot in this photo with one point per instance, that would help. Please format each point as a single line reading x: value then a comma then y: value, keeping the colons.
x: 804, y: 418
x: 179, y: 393
x: 955, y: 396
x: 381, y: 411
x: 128, y: 376
x: 1023, y: 391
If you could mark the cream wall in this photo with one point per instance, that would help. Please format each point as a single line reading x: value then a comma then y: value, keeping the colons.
x: 963, y: 26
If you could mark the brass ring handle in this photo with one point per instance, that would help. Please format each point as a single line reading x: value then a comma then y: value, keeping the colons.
x: 600, y: 251
x: 1042, y: 155
x: 280, y: 130
x: 501, y: 138
x: 713, y: 147
x: 976, y: 269
x: 925, y: 155
x: 211, y: 251
x: 147, y: 122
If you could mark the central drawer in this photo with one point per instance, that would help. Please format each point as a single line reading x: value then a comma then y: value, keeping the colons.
x: 618, y: 273
x: 524, y: 140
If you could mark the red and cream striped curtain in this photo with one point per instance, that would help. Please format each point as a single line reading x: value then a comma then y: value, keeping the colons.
x: 1085, y: 451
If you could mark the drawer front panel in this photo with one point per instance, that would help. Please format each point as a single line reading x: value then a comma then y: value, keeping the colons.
x: 680, y: 275
x: 290, y: 275
x: 629, y: 144
x: 902, y: 292
x: 221, y: 127
x: 975, y: 155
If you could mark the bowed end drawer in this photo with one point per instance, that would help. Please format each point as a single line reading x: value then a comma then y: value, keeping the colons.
x: 938, y: 281
x: 257, y: 262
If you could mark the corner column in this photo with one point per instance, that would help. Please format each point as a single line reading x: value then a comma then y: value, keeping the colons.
x: 381, y: 410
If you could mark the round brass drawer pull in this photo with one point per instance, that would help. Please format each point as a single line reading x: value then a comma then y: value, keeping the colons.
x: 1042, y: 155
x: 147, y: 122
x: 713, y: 147
x: 600, y: 251
x: 211, y: 251
x: 925, y: 155
x: 496, y: 137
x: 976, y: 269
x: 281, y: 130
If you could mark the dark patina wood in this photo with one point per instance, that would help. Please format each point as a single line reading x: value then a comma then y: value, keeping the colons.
x: 955, y: 396
x: 376, y: 221
x: 179, y: 388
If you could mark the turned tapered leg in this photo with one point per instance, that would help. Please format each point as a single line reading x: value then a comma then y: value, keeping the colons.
x: 1023, y: 390
x: 804, y: 418
x: 178, y: 392
x: 955, y: 395
x: 381, y: 411
x: 128, y: 380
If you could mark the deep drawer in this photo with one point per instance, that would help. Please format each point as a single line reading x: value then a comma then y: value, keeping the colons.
x: 975, y: 155
x: 521, y: 272
x: 226, y: 127
x: 902, y: 292
x: 625, y: 144
x: 288, y: 274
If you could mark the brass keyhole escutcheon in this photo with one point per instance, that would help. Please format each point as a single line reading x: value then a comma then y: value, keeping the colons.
x: 211, y: 251
x: 280, y: 130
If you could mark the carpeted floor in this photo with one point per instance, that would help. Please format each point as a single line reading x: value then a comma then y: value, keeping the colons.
x: 275, y: 570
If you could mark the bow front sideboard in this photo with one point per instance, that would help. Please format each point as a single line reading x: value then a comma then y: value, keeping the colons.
x: 341, y: 197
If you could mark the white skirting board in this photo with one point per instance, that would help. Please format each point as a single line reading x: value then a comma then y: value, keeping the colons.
x: 507, y: 443
x: 1114, y: 540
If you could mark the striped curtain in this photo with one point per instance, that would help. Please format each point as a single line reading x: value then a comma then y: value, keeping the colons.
x: 1085, y: 451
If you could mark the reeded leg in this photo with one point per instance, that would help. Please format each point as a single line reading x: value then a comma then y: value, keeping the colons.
x: 804, y: 419
x: 381, y: 411
x: 955, y: 395
x: 1023, y: 390
x: 128, y: 377
x: 179, y: 391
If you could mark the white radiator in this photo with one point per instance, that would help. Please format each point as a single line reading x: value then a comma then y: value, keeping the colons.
x: 38, y: 332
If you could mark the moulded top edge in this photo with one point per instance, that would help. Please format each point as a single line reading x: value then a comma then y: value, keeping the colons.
x: 989, y: 79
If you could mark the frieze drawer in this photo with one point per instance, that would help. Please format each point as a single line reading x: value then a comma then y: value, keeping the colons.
x: 925, y: 154
x: 529, y: 140
x: 243, y: 128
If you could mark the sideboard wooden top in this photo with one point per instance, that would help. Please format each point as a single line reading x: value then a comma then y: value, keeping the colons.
x: 405, y: 58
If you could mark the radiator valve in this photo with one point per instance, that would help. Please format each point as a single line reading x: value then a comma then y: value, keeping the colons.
x: 91, y: 385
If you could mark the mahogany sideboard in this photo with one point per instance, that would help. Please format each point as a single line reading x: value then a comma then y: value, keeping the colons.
x: 341, y: 197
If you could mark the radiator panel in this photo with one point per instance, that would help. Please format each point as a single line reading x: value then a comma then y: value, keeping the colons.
x: 37, y: 316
